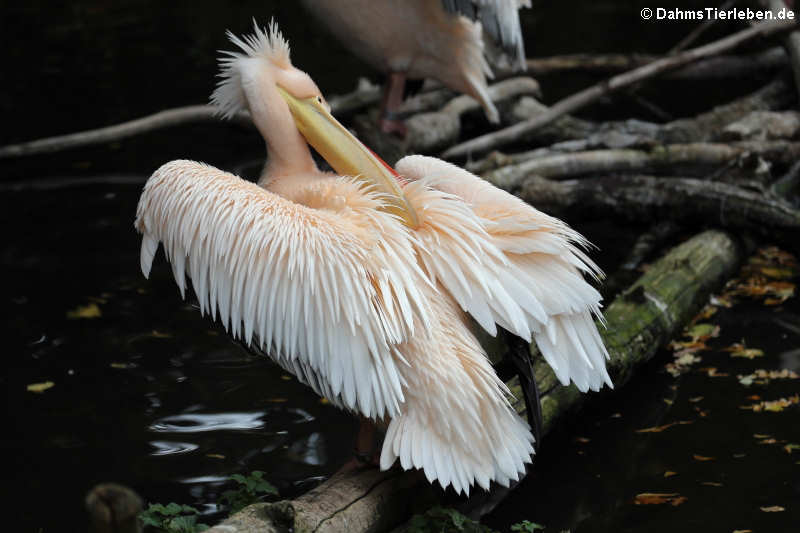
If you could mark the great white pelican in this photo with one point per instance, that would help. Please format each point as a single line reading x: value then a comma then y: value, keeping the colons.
x: 445, y: 40
x: 359, y: 282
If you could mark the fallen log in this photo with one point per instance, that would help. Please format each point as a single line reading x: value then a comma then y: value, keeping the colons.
x: 650, y: 198
x: 640, y: 320
x: 696, y: 159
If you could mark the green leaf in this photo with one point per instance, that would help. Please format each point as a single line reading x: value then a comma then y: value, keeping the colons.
x: 526, y: 526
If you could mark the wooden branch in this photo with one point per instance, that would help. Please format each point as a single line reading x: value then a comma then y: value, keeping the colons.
x: 791, y: 41
x: 641, y: 320
x: 587, y: 96
x: 700, y: 29
x: 574, y: 134
x: 720, y: 67
x: 365, y: 95
x: 698, y: 158
x: 656, y: 198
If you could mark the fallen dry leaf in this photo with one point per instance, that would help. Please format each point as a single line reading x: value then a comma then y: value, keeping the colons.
x: 659, y: 429
x: 582, y: 440
x: 696, y: 399
x: 215, y: 455
x: 658, y: 498
x: 712, y: 372
x: 760, y: 436
x: 670, y: 473
x: 85, y: 311
x: 703, y: 458
x: 773, y: 509
x: 702, y: 332
x: 742, y: 531
x: 775, y: 406
x: 40, y: 387
x: 706, y: 312
x: 789, y: 448
x: 741, y: 350
x: 721, y: 300
x: 712, y: 484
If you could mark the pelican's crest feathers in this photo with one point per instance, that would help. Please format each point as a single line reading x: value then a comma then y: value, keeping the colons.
x: 266, y: 44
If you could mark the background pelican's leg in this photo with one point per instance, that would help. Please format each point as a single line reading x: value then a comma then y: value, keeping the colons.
x: 390, y: 121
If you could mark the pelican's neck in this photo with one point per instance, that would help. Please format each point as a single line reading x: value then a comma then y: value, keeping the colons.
x: 288, y: 152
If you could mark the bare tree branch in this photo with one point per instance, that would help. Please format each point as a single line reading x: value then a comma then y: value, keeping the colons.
x: 591, y: 94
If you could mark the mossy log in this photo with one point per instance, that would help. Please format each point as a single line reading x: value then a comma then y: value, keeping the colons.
x: 642, y: 319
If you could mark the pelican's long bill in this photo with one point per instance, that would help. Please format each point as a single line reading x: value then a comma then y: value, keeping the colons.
x: 346, y: 154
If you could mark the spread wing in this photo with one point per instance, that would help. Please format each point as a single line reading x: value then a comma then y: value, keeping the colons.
x: 328, y: 291
x: 505, y: 262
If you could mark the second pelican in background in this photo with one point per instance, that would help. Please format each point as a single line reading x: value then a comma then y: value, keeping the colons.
x: 438, y: 39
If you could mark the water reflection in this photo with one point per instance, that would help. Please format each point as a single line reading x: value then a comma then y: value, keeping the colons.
x: 310, y: 450
x: 198, y: 423
x: 163, y: 447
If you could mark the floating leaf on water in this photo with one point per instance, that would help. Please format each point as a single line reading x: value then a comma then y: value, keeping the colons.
x: 712, y: 372
x: 324, y: 401
x: 277, y: 400
x: 739, y: 455
x: 284, y: 377
x: 742, y: 531
x: 773, y: 509
x: 215, y: 455
x: 775, y: 406
x: 701, y: 332
x: 659, y: 498
x: 760, y: 436
x: 740, y: 349
x: 703, y: 458
x: 85, y: 311
x: 668, y: 401
x: 712, y: 484
x: 768, y: 441
x: 582, y: 440
x: 777, y: 272
x: 670, y: 473
x: 659, y: 429
x: 122, y: 366
x: 722, y: 300
x: 789, y: 448
x: 705, y: 313
x: 40, y: 387
x: 616, y: 415
x: 746, y: 380
x: 696, y: 399
x: 159, y: 335
x: 754, y: 397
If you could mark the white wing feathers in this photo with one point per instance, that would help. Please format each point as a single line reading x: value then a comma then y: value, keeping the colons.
x: 517, y: 267
x: 456, y: 424
x: 329, y: 294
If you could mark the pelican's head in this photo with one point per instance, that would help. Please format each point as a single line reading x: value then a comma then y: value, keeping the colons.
x: 265, y: 69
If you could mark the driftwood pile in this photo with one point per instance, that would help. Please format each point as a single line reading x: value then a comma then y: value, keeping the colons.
x: 734, y: 169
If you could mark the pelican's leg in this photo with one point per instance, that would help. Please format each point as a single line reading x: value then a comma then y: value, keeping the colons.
x: 390, y: 121
x: 366, y: 450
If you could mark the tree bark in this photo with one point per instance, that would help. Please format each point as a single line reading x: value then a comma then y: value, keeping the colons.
x: 640, y: 320
x: 653, y: 198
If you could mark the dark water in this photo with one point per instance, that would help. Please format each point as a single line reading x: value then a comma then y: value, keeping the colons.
x: 150, y: 394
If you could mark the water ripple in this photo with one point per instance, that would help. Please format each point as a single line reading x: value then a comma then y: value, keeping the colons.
x: 164, y: 447
x: 198, y: 423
